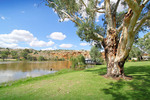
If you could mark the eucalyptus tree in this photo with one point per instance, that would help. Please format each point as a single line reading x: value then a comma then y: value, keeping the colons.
x: 118, y: 38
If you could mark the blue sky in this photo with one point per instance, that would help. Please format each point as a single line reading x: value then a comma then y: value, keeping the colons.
x: 35, y: 21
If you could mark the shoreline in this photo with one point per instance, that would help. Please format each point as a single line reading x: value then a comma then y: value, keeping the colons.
x: 30, y: 79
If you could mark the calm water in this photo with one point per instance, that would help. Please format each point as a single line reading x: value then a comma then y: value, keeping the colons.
x: 10, y: 71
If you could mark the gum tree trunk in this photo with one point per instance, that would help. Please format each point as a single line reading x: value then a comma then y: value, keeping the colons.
x: 117, y: 50
x: 110, y: 44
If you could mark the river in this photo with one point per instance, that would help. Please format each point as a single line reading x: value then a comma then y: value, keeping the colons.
x: 10, y: 71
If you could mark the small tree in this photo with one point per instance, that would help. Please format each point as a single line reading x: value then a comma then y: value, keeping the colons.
x: 135, y: 53
x: 4, y: 54
x: 41, y: 58
x: 95, y: 54
x: 24, y: 54
x: 14, y: 54
x: 78, y: 62
x: 81, y: 59
x: 144, y: 43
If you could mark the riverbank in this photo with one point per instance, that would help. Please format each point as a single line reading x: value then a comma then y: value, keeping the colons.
x: 87, y: 84
x: 8, y: 60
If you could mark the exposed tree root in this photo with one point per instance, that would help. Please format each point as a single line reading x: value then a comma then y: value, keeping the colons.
x: 118, y: 77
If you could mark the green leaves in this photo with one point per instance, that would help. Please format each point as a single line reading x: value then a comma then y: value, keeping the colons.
x: 95, y: 53
x: 144, y: 43
x: 86, y: 31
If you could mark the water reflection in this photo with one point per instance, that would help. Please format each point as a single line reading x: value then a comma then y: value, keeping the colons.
x: 10, y: 71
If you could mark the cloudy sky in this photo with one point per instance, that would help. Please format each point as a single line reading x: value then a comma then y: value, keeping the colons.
x: 31, y: 24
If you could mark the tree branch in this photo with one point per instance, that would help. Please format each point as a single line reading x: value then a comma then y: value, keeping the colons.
x: 71, y: 18
x: 78, y: 18
x: 108, y: 14
x: 133, y: 5
x: 116, y: 6
x: 100, y: 11
x: 120, y: 28
x: 99, y: 36
x: 145, y: 2
x: 143, y: 20
x: 51, y: 3
x: 100, y: 8
x: 83, y: 3
x: 68, y: 16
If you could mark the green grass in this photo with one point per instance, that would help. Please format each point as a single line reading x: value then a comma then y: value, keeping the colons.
x: 83, y: 85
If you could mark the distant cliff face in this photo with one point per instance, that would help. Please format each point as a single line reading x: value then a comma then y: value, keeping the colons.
x: 65, y: 54
x: 51, y: 54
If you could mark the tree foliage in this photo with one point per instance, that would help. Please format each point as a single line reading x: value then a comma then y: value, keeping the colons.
x: 41, y: 58
x: 144, y: 43
x: 95, y: 54
x: 77, y: 62
x: 14, y: 54
x: 24, y: 54
x: 4, y: 54
x: 84, y: 12
x: 136, y: 53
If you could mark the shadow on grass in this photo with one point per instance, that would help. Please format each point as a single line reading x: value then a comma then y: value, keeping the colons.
x: 136, y: 89
x: 100, y: 71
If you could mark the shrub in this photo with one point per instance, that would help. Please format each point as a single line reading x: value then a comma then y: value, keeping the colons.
x: 78, y: 62
x: 41, y: 58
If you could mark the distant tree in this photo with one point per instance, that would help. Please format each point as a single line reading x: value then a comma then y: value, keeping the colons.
x: 35, y: 52
x: 135, y: 53
x: 27, y: 50
x: 34, y: 59
x: 144, y: 43
x: 41, y: 58
x: 78, y: 62
x: 24, y: 54
x: 4, y: 54
x: 81, y: 59
x: 95, y: 54
x: 14, y: 54
x: 29, y: 57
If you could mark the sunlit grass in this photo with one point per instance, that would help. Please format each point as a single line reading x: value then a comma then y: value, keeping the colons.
x: 87, y: 84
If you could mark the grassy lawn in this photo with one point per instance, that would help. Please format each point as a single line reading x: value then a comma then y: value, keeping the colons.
x: 83, y: 85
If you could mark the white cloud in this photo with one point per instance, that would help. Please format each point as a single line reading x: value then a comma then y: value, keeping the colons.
x: 84, y: 44
x: 57, y: 36
x: 48, y: 49
x: 12, y: 39
x: 9, y: 45
x: 17, y: 36
x: 38, y: 43
x: 3, y: 18
x: 65, y: 45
